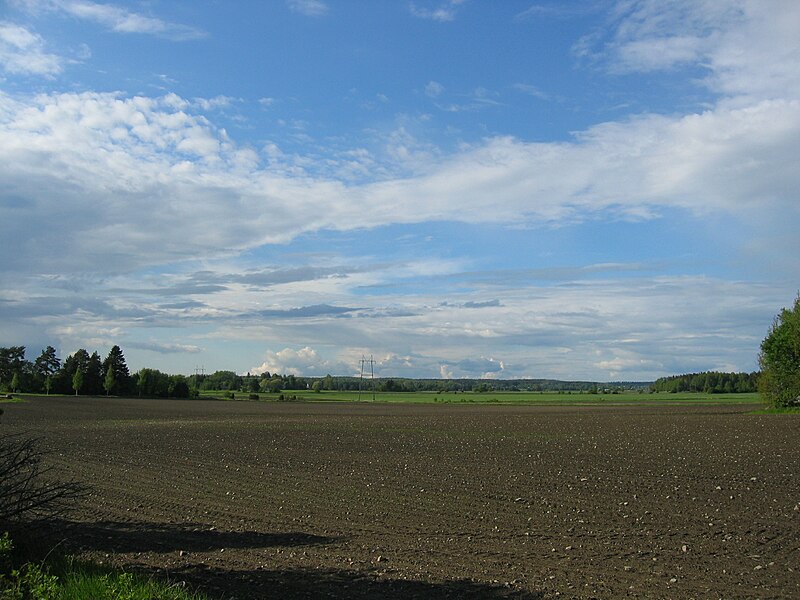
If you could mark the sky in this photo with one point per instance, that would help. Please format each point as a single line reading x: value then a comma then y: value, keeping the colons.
x: 595, y: 190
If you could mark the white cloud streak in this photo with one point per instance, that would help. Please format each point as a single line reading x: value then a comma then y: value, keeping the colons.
x: 309, y: 8
x: 23, y: 52
x: 437, y: 11
x: 114, y: 18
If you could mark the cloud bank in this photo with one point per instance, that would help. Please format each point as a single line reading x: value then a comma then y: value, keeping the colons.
x: 150, y: 203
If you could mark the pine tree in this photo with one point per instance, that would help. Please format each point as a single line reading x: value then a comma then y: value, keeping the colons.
x: 116, y: 362
x: 93, y: 376
x: 47, y: 363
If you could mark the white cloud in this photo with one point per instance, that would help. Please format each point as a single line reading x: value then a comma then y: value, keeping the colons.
x: 434, y: 89
x: 304, y: 361
x: 115, y: 18
x: 90, y: 169
x: 748, y: 47
x: 208, y: 104
x: 559, y: 10
x: 309, y: 8
x: 479, y: 99
x: 436, y: 11
x: 623, y: 326
x: 22, y: 52
x: 102, y: 188
x: 600, y: 330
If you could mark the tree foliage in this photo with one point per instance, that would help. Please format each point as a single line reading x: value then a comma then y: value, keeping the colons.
x: 110, y: 382
x: 47, y: 364
x: 77, y: 381
x: 152, y: 383
x: 94, y: 375
x: 708, y: 382
x: 780, y: 359
x: 115, y: 363
x: 12, y: 360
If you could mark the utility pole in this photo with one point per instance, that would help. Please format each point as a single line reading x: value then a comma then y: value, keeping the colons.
x: 364, y: 362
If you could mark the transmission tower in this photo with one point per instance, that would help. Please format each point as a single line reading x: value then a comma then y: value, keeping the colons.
x: 364, y: 362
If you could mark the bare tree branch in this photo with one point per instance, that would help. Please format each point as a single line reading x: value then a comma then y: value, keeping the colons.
x: 27, y: 489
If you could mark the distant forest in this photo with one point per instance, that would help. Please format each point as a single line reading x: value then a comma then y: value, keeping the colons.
x: 709, y: 382
x: 88, y: 374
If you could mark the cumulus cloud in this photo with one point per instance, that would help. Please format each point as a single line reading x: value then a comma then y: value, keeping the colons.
x: 97, y: 169
x: 105, y: 187
x: 23, y: 52
x: 304, y: 361
x: 482, y: 368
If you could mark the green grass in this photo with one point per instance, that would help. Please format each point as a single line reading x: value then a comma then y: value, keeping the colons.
x: 536, y: 398
x: 14, y: 400
x: 533, y: 398
x: 64, y: 578
x: 88, y: 582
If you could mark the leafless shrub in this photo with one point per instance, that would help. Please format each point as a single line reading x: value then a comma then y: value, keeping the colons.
x: 27, y: 488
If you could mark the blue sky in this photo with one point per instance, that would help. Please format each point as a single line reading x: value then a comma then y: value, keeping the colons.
x: 586, y: 190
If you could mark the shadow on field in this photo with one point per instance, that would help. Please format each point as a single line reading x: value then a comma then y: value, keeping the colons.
x: 118, y: 537
x: 306, y: 583
x: 225, y: 583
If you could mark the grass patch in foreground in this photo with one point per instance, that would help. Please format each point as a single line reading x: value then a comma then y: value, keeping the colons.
x: 85, y: 582
x: 64, y: 578
x: 12, y: 400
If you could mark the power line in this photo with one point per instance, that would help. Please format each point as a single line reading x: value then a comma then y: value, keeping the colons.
x: 364, y: 362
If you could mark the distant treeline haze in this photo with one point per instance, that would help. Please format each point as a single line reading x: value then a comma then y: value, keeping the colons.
x: 84, y: 373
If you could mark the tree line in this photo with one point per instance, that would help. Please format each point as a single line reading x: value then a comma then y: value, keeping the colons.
x: 84, y: 373
x: 708, y: 382
x: 780, y: 360
x: 88, y: 374
x: 81, y: 372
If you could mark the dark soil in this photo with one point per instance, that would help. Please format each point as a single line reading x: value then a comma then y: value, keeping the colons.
x: 255, y: 500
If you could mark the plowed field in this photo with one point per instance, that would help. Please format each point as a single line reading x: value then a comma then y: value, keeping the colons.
x: 302, y: 500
